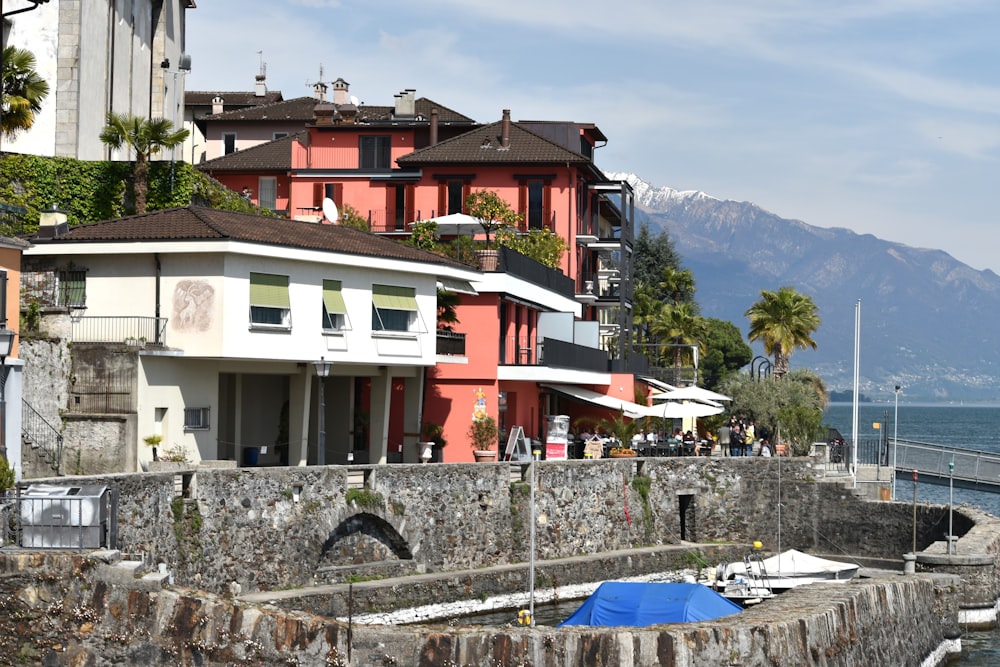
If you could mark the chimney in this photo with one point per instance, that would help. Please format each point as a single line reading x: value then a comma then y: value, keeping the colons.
x: 319, y: 90
x: 505, y: 129
x: 323, y: 114
x: 405, y: 106
x: 260, y: 88
x: 52, y: 223
x: 434, y: 127
x: 341, y: 92
x: 218, y: 104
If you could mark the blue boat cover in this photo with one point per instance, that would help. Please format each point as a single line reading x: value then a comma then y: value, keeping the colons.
x: 621, y: 603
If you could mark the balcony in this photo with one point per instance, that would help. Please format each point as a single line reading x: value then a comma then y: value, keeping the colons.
x: 132, y: 331
x: 517, y: 351
x: 450, y: 343
x: 516, y: 264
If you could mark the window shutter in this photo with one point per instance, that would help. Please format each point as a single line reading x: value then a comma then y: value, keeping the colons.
x: 269, y: 290
x: 442, y: 198
x: 547, y: 207
x: 333, y: 299
x: 392, y: 297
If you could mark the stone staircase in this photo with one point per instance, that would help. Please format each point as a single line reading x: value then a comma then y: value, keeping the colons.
x: 117, y: 570
x: 42, y: 438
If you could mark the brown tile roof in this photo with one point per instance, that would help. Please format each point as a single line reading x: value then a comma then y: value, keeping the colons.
x: 196, y: 223
x: 422, y: 106
x: 270, y: 156
x: 482, y: 146
x: 231, y: 98
x: 298, y: 108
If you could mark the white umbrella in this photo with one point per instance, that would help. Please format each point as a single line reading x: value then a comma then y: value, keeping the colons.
x: 454, y: 224
x: 691, y: 393
x: 681, y: 410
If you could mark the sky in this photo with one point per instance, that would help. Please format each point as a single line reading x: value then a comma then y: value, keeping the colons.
x: 880, y: 116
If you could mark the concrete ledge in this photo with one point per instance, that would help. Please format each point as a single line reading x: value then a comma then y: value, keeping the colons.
x: 955, y: 560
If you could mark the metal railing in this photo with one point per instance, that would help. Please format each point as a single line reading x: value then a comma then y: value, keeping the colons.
x: 39, y: 434
x: 972, y: 468
x: 450, y: 343
x: 44, y: 516
x: 130, y: 330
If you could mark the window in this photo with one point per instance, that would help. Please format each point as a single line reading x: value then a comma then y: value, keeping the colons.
x: 375, y: 152
x: 269, y: 305
x: 279, y: 135
x: 229, y: 142
x: 267, y: 192
x: 334, y: 310
x: 535, y: 200
x: 393, y: 308
x: 73, y: 289
x: 535, y: 206
x: 456, y: 196
x: 195, y: 419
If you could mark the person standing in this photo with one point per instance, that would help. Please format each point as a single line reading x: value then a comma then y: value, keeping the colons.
x: 748, y: 439
x: 724, y: 439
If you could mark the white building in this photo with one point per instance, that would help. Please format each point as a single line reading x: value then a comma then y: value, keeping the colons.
x: 227, y: 312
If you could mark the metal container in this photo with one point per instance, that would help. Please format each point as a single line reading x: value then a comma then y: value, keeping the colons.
x: 64, y: 517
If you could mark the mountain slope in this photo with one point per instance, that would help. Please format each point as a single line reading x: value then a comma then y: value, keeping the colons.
x: 927, y: 320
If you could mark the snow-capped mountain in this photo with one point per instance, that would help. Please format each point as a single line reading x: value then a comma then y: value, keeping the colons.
x: 927, y: 320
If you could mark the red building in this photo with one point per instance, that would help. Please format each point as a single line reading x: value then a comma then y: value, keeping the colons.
x: 532, y: 342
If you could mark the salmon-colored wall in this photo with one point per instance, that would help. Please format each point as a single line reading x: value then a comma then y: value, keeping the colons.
x: 10, y: 261
x: 235, y: 182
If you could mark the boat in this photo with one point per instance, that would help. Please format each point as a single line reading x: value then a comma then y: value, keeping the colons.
x: 755, y: 578
x: 638, y: 604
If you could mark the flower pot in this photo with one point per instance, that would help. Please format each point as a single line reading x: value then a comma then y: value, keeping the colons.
x: 425, y: 450
x: 489, y: 260
x: 621, y: 455
x: 484, y: 455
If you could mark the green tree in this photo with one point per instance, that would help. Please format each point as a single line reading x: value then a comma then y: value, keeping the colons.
x: 349, y: 217
x: 783, y: 321
x: 492, y: 212
x: 725, y: 352
x: 541, y: 245
x: 677, y: 285
x: 145, y: 138
x: 795, y: 403
x: 677, y: 329
x: 447, y: 305
x: 651, y: 255
x: 23, y: 91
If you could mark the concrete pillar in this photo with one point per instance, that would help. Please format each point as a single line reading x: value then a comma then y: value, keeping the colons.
x: 300, y: 394
x: 412, y: 409
x: 909, y: 563
x: 381, y: 397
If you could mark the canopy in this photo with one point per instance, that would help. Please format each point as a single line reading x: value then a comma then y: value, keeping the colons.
x: 454, y: 224
x: 681, y: 410
x: 638, y: 604
x: 631, y: 410
x: 691, y: 393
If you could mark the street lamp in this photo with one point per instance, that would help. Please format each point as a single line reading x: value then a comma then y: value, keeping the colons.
x: 895, y: 443
x: 322, y: 372
x: 6, y: 348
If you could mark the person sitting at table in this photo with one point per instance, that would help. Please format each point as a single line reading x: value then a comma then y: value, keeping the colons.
x: 689, y: 443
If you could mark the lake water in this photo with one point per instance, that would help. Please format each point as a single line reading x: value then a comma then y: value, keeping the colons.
x: 972, y: 427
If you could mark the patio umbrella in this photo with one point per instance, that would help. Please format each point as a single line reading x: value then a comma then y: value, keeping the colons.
x: 455, y: 224
x: 681, y: 410
x: 691, y: 393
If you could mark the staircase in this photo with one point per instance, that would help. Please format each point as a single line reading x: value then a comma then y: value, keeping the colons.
x: 43, y: 438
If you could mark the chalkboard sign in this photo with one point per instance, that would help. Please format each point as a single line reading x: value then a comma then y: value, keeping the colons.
x: 518, y: 447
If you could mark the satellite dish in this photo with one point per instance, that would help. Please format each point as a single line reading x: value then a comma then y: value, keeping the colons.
x: 330, y: 210
x: 354, y: 100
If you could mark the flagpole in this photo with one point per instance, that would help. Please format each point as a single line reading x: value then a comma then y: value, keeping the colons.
x: 854, y: 412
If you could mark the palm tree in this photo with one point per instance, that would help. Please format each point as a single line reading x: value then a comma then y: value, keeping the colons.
x: 23, y: 91
x: 677, y: 284
x: 783, y: 320
x: 146, y: 138
x: 678, y: 325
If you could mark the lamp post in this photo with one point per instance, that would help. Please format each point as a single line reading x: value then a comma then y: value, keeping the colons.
x: 951, y: 501
x: 895, y: 430
x: 6, y: 347
x: 322, y: 372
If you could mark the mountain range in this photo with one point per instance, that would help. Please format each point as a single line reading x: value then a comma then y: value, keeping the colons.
x: 927, y: 321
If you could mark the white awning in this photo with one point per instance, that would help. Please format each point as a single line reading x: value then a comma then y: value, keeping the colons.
x: 456, y: 285
x: 657, y: 384
x: 632, y: 410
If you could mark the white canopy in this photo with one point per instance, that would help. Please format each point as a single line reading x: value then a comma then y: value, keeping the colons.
x: 681, y: 410
x: 454, y: 224
x: 631, y: 410
x: 691, y: 393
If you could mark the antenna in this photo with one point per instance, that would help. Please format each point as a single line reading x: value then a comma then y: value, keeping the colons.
x: 354, y: 100
x: 330, y: 210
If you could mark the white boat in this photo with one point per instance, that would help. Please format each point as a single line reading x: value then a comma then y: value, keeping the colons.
x: 755, y: 578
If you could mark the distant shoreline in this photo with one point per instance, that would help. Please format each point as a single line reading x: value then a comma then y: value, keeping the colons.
x: 908, y: 404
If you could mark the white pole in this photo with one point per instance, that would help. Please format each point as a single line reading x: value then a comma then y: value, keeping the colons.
x: 531, y: 557
x: 895, y: 431
x: 854, y: 413
x: 951, y: 500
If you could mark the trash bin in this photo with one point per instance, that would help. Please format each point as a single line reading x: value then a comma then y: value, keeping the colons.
x: 251, y: 455
x: 64, y: 517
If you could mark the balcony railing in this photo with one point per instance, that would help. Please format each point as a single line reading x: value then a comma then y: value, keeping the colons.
x: 128, y: 330
x: 570, y: 355
x: 450, y: 343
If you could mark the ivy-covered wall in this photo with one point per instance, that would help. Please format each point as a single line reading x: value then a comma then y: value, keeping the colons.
x: 93, y: 191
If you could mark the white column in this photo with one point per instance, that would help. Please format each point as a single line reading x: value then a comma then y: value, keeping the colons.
x: 379, y: 433
x: 300, y: 393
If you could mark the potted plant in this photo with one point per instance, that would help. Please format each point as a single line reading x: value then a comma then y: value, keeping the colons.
x: 483, y: 436
x: 493, y: 214
x: 152, y: 441
x: 431, y: 435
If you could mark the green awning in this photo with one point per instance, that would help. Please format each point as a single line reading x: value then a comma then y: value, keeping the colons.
x: 332, y: 298
x: 392, y: 297
x: 267, y: 289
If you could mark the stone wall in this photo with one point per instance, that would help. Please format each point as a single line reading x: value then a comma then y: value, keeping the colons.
x: 99, y: 616
x: 270, y: 528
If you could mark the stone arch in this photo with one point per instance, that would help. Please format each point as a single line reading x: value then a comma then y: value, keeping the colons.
x: 383, y: 538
